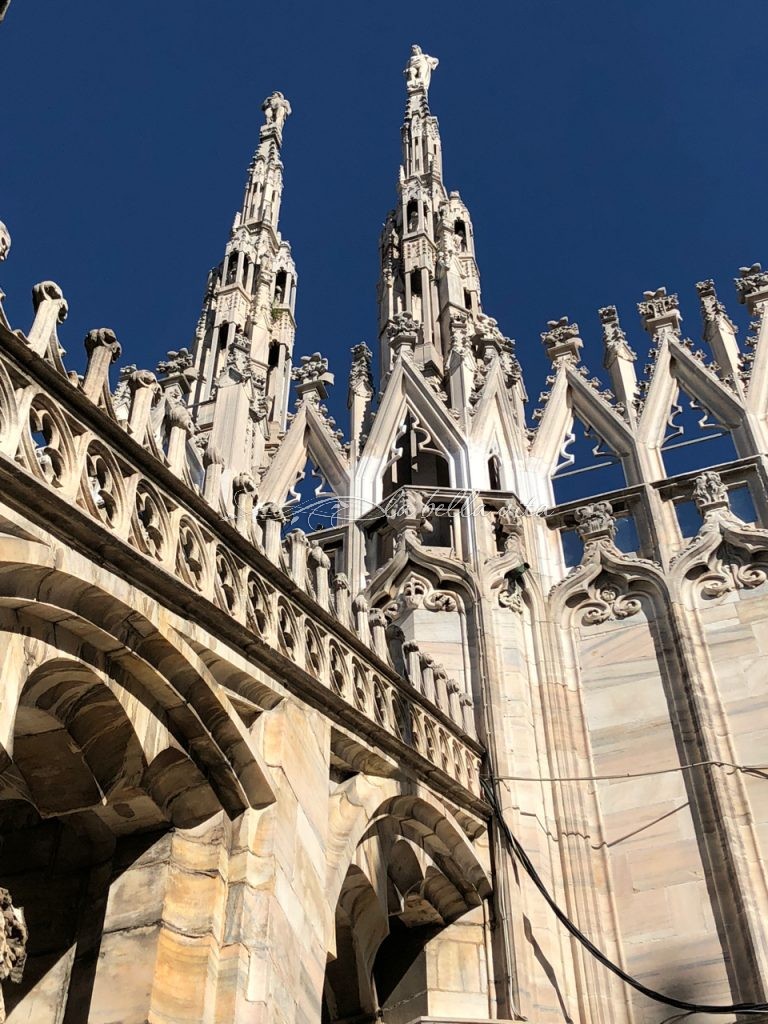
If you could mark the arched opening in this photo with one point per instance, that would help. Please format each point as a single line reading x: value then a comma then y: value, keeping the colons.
x: 412, y: 215
x: 494, y: 473
x: 61, y: 824
x: 418, y: 464
x: 416, y: 295
x: 460, y: 230
x: 281, y: 285
x: 232, y: 268
x: 404, y: 895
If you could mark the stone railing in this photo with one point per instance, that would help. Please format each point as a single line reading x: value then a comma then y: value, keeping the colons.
x: 64, y: 448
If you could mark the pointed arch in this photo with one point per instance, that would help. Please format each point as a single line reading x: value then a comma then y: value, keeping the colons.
x: 406, y: 392
x: 308, y: 439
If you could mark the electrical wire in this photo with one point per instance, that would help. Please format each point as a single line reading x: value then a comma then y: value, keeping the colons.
x: 680, y: 1004
x: 756, y: 770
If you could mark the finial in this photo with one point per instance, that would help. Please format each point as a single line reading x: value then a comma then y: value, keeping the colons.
x: 419, y: 70
x: 595, y: 523
x: 360, y: 377
x: 712, y: 308
x: 752, y: 285
x: 276, y: 109
x: 614, y: 338
x: 660, y: 312
x: 312, y: 377
x: 561, y: 340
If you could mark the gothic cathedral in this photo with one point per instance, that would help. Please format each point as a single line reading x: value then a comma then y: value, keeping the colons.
x: 303, y: 730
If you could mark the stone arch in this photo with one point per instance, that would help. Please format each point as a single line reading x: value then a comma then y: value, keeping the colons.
x: 123, y: 752
x: 403, y: 872
x: 152, y: 663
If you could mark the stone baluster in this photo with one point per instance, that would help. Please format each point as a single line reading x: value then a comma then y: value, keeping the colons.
x: 243, y: 494
x: 396, y: 654
x: 143, y: 387
x: 50, y: 310
x: 321, y: 564
x: 341, y: 598
x: 428, y: 677
x: 378, y: 626
x: 468, y: 714
x: 454, y: 702
x: 412, y: 657
x: 181, y: 427
x: 298, y: 550
x: 360, y: 616
x: 441, y: 688
x: 213, y: 461
x: 103, y: 349
x: 272, y: 517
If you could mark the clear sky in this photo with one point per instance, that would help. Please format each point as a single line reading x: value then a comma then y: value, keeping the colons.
x: 603, y: 148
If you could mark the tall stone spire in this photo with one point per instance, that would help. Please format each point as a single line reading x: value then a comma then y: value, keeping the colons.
x: 245, y: 334
x: 428, y: 268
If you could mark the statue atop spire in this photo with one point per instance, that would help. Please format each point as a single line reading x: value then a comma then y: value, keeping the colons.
x: 419, y: 70
x: 276, y: 109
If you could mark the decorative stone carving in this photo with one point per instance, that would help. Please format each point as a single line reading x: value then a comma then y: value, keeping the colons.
x: 5, y: 242
x: 312, y: 377
x: 138, y: 379
x: 13, y: 944
x: 561, y: 341
x: 271, y: 511
x: 509, y: 520
x: 614, y: 338
x: 418, y: 71
x: 49, y: 291
x: 595, y: 523
x: 103, y: 337
x: 709, y: 492
x: 712, y: 308
x: 403, y: 333
x: 726, y: 554
x: 461, y: 336
x: 407, y: 516
x: 360, y: 376
x: 175, y: 362
x: 607, y: 601
x: 50, y: 309
x: 752, y: 285
x: 179, y: 415
x: 276, y: 110
x: 660, y: 312
x: 417, y: 592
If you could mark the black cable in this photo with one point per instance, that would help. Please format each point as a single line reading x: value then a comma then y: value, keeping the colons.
x: 679, y: 1004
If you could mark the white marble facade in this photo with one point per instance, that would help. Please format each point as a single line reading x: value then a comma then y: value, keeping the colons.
x: 240, y: 761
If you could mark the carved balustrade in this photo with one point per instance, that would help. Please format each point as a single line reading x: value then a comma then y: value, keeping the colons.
x: 63, y: 445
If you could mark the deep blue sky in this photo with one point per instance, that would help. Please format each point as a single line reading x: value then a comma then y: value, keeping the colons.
x: 602, y: 147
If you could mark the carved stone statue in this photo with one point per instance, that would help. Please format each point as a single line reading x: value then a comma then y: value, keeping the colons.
x: 276, y: 109
x: 419, y: 70
x: 13, y: 951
